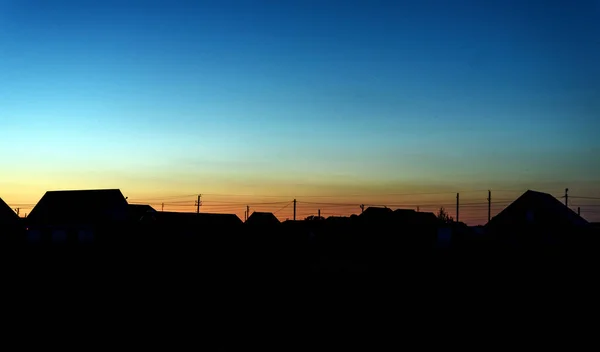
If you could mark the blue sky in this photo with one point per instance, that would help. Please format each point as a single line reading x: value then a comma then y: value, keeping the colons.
x: 233, y: 94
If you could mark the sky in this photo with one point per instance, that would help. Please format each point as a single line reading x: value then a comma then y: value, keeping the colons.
x: 307, y: 98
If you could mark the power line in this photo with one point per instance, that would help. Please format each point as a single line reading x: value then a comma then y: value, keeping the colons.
x: 499, y: 201
x: 285, y: 206
x: 171, y: 197
x: 206, y: 204
x: 178, y: 202
x: 237, y: 203
x: 159, y: 198
x: 584, y: 205
x: 335, y: 195
x: 326, y: 203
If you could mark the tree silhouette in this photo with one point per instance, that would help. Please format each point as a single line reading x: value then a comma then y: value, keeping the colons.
x: 443, y: 216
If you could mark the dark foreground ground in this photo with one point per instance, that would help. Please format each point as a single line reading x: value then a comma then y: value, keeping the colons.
x: 229, y: 285
x: 245, y: 254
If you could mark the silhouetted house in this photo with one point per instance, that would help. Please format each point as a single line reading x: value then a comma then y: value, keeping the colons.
x: 410, y: 218
x: 536, y: 209
x: 9, y: 220
x: 376, y: 215
x: 298, y: 232
x: 413, y: 230
x: 340, y: 220
x: 537, y: 214
x: 262, y: 219
x: 77, y: 216
x: 341, y: 233
x: 478, y: 230
x: 294, y: 224
x: 302, y: 228
x: 176, y: 226
x: 7, y: 216
x: 407, y: 216
x: 427, y: 218
x: 342, y: 226
x: 425, y: 227
x: 191, y: 219
x: 375, y: 222
x: 136, y: 211
x: 415, y: 218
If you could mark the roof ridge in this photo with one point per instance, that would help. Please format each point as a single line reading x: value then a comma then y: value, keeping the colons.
x: 84, y: 190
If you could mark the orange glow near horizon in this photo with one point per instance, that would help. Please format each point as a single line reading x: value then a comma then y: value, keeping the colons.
x: 473, y: 204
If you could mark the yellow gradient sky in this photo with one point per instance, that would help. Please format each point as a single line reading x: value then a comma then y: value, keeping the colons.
x: 312, y: 98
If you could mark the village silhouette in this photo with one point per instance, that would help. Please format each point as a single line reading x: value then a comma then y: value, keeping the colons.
x: 100, y: 227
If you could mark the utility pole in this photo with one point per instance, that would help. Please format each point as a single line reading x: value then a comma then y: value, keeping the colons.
x: 198, y: 203
x: 567, y: 197
x: 418, y: 209
x: 319, y: 212
x: 362, y: 208
x: 489, y: 205
x: 294, y: 210
x: 162, y: 207
x: 457, y: 205
x: 247, y: 212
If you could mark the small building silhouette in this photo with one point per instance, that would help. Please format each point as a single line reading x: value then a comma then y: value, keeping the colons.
x: 376, y: 214
x: 189, y: 222
x: 136, y: 211
x: 340, y: 220
x: 412, y: 217
x: 258, y: 218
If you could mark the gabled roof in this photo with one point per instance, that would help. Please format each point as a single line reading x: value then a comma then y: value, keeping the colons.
x: 536, y: 208
x: 262, y: 218
x: 404, y: 214
x: 412, y: 217
x: 376, y: 213
x: 136, y: 211
x: 7, y: 216
x: 427, y: 217
x: 377, y: 210
x: 79, y: 207
x: 191, y: 220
